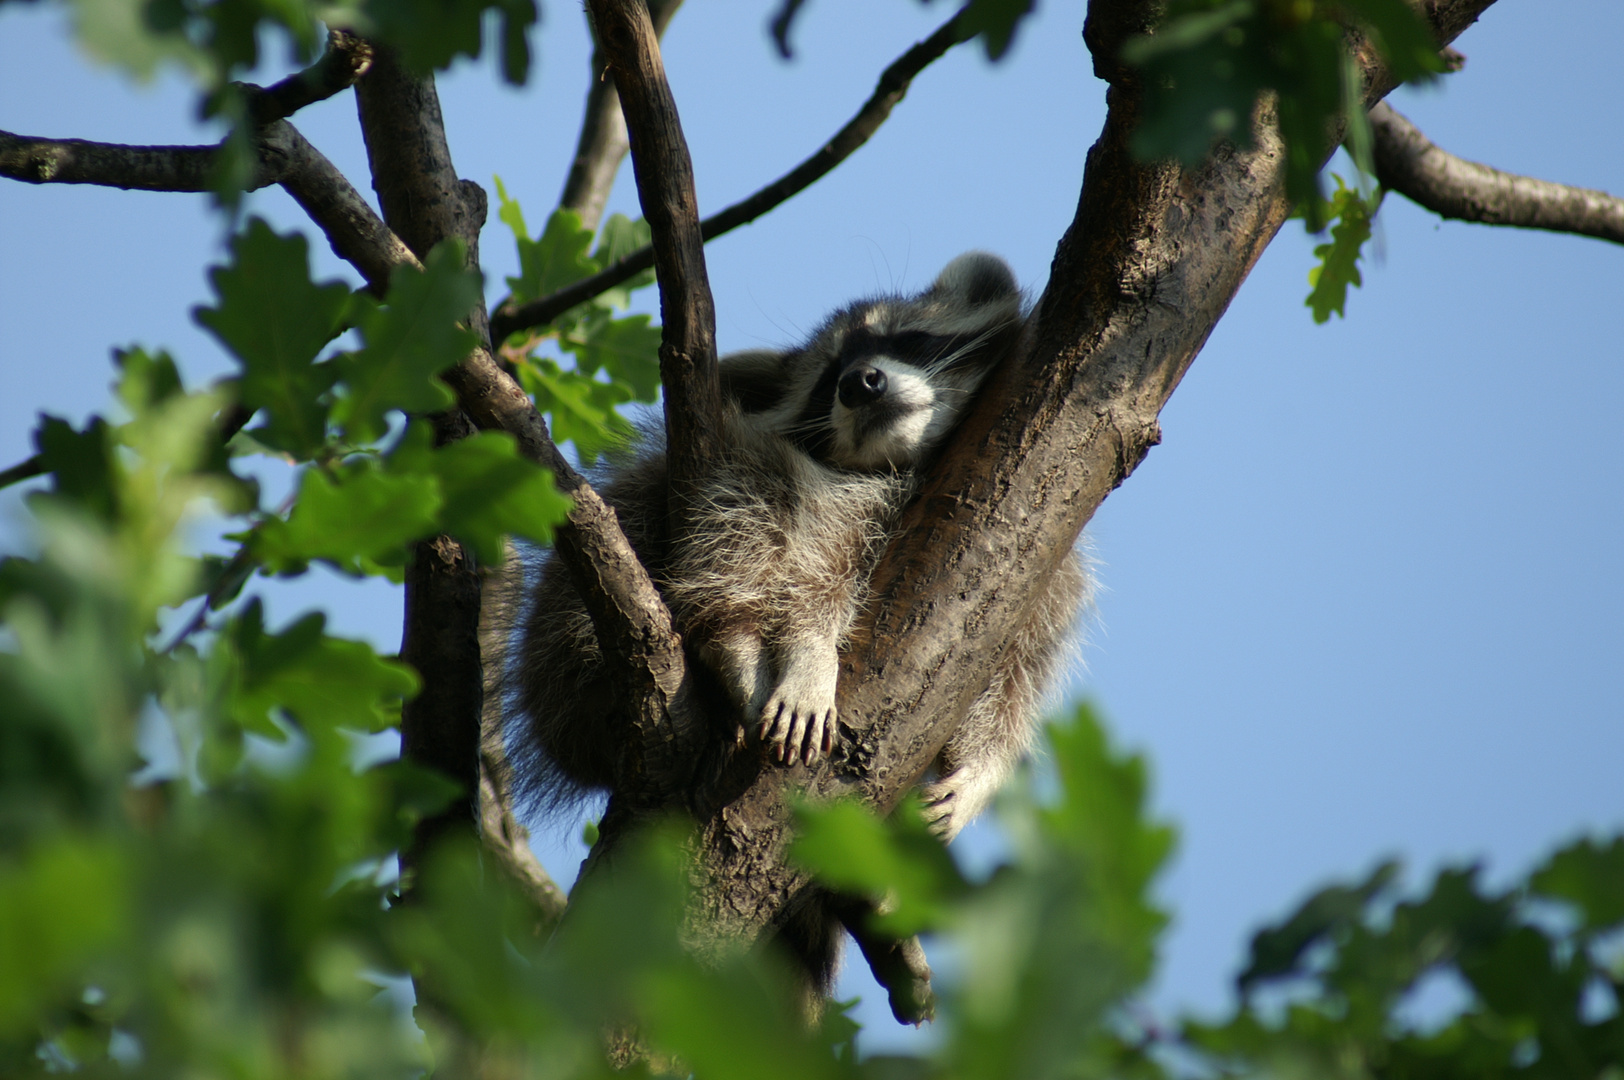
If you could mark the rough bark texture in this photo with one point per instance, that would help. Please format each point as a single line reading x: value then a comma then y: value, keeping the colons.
x: 36, y: 160
x: 1414, y: 166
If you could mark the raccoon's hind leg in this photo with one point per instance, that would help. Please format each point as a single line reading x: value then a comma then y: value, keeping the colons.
x: 1000, y: 725
x: 739, y: 657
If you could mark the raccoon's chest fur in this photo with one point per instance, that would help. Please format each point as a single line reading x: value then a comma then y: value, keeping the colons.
x: 774, y: 532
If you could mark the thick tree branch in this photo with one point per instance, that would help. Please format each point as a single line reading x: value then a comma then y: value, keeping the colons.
x: 1414, y: 166
x: 37, y: 160
x: 892, y: 88
x: 423, y: 204
x: 627, y: 610
x: 1148, y: 266
x: 665, y: 186
x: 603, y: 144
x: 353, y: 229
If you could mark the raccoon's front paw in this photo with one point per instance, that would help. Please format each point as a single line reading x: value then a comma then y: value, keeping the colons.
x: 799, y: 725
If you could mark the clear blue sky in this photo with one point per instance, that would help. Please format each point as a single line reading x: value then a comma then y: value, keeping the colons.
x: 1365, y: 599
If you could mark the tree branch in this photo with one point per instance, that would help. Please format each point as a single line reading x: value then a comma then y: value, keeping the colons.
x: 346, y: 59
x: 665, y: 187
x: 892, y: 88
x: 36, y: 160
x: 603, y: 144
x: 231, y: 420
x: 184, y: 168
x: 1414, y: 166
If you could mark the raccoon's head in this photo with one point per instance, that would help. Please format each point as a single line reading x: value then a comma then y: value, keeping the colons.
x: 884, y: 380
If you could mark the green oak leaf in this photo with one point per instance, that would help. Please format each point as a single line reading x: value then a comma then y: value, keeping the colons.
x: 581, y: 410
x: 488, y: 489
x: 81, y: 464
x: 553, y: 260
x: 1338, y: 267
x: 408, y: 341
x: 320, y: 680
x: 430, y: 34
x: 64, y: 903
x: 620, y: 237
x: 274, y: 320
x: 1278, y: 950
x: 846, y: 845
x: 627, y: 348
x: 1589, y: 875
x: 353, y: 517
x: 996, y: 22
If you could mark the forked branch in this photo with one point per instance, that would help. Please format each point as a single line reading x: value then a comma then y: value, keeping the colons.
x: 1417, y: 168
x: 891, y: 89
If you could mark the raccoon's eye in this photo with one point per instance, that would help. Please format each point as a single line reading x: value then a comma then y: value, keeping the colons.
x: 913, y: 343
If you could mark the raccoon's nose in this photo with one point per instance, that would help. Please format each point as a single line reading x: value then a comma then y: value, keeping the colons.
x: 861, y: 385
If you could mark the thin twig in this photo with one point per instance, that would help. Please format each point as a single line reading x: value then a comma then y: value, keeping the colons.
x: 892, y: 88
x: 23, y: 470
x: 231, y: 420
x: 1417, y: 168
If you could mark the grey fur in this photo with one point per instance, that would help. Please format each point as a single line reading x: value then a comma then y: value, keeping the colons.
x: 822, y: 446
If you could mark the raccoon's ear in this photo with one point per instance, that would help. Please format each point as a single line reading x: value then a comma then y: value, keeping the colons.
x: 977, y: 278
x: 753, y: 379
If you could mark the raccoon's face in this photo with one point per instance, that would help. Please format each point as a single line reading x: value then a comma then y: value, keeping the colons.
x: 884, y: 380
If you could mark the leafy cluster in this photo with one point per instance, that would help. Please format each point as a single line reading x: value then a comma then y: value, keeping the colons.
x: 194, y: 868
x: 614, y: 359
x: 1208, y: 64
x: 1537, y: 970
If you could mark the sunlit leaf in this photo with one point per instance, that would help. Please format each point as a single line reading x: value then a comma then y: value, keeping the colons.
x: 275, y: 321
x: 408, y: 341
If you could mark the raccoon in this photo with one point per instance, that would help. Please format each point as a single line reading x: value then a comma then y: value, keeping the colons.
x: 822, y: 445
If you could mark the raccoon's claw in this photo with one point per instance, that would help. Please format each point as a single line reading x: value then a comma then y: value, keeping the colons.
x: 797, y: 732
x: 937, y: 811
